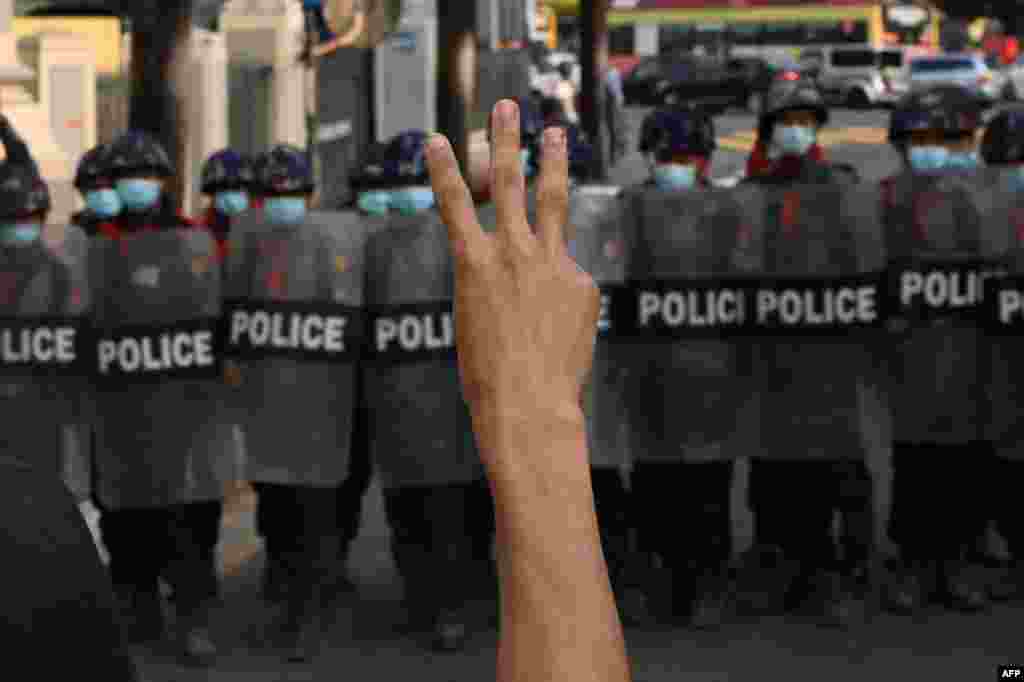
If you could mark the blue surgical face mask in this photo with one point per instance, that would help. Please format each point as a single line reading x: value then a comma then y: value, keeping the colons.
x: 20, y: 233
x: 1015, y: 178
x: 231, y: 203
x: 795, y: 140
x: 374, y: 203
x: 138, y: 194
x: 103, y: 203
x: 963, y: 161
x: 285, y: 210
x: 526, y: 156
x: 413, y: 200
x: 928, y: 158
x: 675, y: 176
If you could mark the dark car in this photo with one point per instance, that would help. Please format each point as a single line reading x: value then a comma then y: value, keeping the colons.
x: 648, y: 81
x: 717, y: 84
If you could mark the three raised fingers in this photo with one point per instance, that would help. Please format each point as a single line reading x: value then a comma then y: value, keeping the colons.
x: 454, y: 201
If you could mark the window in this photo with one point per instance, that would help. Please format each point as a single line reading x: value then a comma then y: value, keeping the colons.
x: 622, y: 40
x: 745, y: 34
x: 646, y: 69
x: 836, y: 32
x: 783, y: 34
x: 891, y: 59
x: 940, y: 65
x: 854, y: 58
x: 673, y: 37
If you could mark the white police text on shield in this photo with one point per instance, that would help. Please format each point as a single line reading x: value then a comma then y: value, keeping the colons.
x: 289, y: 331
x: 158, y: 353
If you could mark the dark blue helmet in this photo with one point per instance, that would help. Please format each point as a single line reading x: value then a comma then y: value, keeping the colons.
x: 399, y: 162
x: 949, y: 109
x: 93, y: 170
x: 22, y: 192
x: 1003, y: 142
x: 137, y: 154
x: 406, y: 154
x: 285, y: 170
x: 677, y: 130
x: 226, y: 170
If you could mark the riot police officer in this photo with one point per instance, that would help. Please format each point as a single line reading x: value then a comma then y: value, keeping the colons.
x: 788, y: 126
x: 295, y: 466
x: 227, y: 181
x: 685, y: 476
x: 92, y: 180
x: 813, y: 572
x: 678, y: 143
x: 420, y: 433
x: 150, y: 468
x: 939, y: 448
x: 40, y: 281
x: 1003, y: 146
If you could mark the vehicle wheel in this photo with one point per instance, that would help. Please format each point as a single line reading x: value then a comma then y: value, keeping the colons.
x: 754, y: 102
x: 858, y: 99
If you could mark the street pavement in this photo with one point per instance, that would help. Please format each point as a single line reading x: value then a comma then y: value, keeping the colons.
x: 362, y: 644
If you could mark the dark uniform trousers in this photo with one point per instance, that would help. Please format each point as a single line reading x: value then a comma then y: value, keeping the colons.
x: 1004, y: 489
x: 612, y: 503
x: 145, y: 544
x: 299, y: 526
x: 794, y: 506
x: 431, y: 543
x: 942, y: 499
x: 204, y: 520
x: 683, y: 515
x: 352, y: 492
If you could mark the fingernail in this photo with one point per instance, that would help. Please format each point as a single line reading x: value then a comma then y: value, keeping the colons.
x: 436, y: 143
x: 554, y: 138
x: 508, y: 112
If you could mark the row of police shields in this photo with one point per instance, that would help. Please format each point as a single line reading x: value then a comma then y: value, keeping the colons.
x: 762, y: 310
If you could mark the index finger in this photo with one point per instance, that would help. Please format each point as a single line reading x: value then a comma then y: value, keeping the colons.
x: 454, y: 201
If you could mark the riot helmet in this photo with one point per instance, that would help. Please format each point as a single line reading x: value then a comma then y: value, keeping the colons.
x: 286, y: 181
x: 139, y: 165
x: 936, y: 129
x: 93, y: 181
x: 678, y: 142
x: 1003, y: 142
x: 228, y: 177
x: 24, y: 204
x: 793, y: 113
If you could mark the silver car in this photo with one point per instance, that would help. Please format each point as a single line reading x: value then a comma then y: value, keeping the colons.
x: 969, y: 71
x: 858, y: 76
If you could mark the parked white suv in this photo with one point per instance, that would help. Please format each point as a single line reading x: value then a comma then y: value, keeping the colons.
x: 858, y: 76
x: 966, y: 70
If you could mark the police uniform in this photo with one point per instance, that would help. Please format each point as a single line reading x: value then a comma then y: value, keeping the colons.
x: 41, y: 387
x: 794, y: 495
x: 151, y: 467
x: 419, y: 428
x: 940, y: 445
x: 680, y: 468
x: 296, y: 400
x: 1003, y: 146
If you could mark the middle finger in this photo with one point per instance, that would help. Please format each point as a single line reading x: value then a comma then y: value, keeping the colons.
x: 508, y: 186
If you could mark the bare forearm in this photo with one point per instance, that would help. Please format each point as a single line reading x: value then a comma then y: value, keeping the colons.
x: 559, y: 619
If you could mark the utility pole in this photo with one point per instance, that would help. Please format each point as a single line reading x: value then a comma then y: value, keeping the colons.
x: 457, y: 73
x: 160, y: 37
x: 594, y: 64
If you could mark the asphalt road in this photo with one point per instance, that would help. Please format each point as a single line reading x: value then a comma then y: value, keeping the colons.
x: 362, y: 645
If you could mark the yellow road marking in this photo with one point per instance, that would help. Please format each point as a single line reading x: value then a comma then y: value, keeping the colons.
x: 743, y: 141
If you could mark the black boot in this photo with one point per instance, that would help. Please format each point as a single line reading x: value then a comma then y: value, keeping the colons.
x: 194, y: 631
x: 142, y: 615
